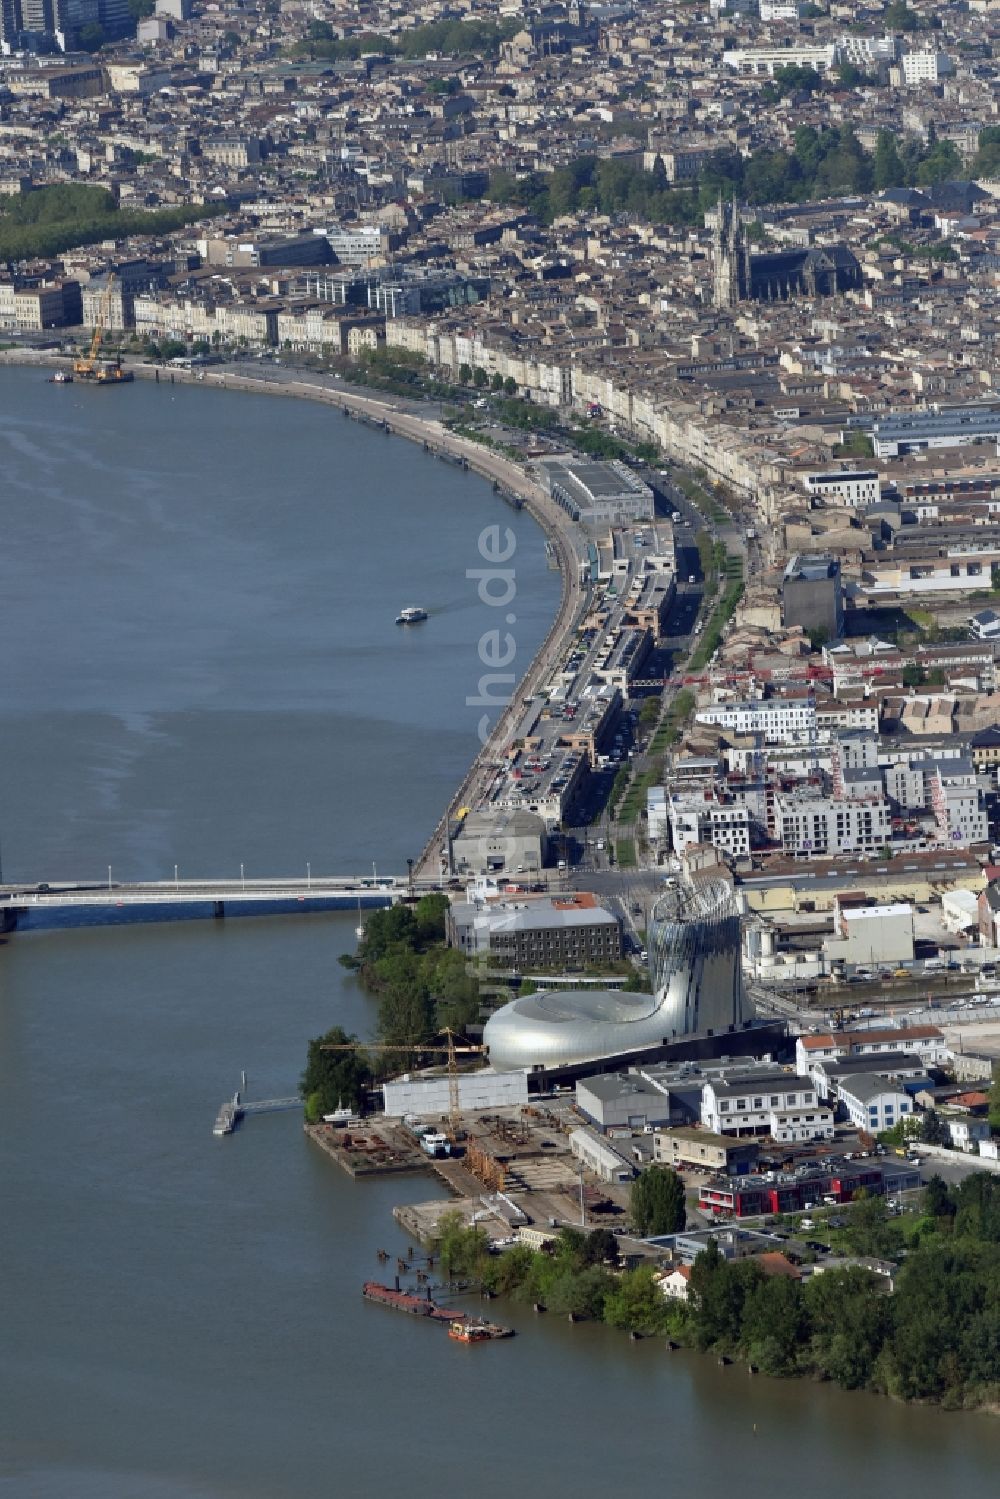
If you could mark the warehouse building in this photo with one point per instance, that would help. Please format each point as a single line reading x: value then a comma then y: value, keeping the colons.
x: 504, y: 840
x: 622, y: 1100
x: 597, y: 493
x: 600, y: 1157
x: 429, y: 1095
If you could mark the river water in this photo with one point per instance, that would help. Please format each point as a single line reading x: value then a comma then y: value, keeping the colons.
x: 201, y: 668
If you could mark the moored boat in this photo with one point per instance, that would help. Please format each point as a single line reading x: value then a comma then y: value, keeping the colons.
x: 471, y: 1330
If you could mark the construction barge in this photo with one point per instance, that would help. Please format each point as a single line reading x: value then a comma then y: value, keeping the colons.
x: 462, y: 1328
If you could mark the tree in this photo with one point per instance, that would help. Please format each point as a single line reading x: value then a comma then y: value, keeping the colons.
x: 91, y: 37
x: 657, y: 1202
x: 601, y: 1248
x: 332, y: 1078
x: 849, y: 1321
x: 978, y: 1214
x: 405, y: 1017
x: 938, y: 1201
x: 995, y: 1098
x: 497, y: 382
x: 773, y: 1324
x: 872, y: 1232
x: 899, y: 17
x: 479, y: 378
x: 933, y: 1129
x: 941, y: 164
x: 463, y: 1251
x: 510, y: 386
x: 428, y: 918
x: 717, y: 1292
x: 465, y: 374
x: 889, y: 170
x: 637, y: 1304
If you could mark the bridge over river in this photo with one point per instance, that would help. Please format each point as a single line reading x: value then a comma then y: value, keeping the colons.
x: 60, y: 904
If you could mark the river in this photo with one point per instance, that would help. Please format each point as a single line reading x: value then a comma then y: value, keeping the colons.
x: 201, y: 668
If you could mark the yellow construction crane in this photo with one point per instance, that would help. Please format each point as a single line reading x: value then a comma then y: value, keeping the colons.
x: 87, y: 367
x: 451, y: 1051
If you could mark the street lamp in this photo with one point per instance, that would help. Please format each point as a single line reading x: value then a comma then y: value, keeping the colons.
x: 243, y: 883
x: 175, y: 876
x: 309, y: 878
x: 109, y: 876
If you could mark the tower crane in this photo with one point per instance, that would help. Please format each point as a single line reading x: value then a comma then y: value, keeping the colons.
x: 452, y: 1052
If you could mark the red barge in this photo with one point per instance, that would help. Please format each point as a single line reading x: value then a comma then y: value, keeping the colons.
x: 462, y: 1328
x: 406, y: 1301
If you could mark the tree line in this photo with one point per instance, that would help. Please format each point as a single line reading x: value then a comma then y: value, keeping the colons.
x: 52, y: 219
x: 423, y: 990
x: 935, y: 1338
x: 450, y: 38
x: 822, y: 163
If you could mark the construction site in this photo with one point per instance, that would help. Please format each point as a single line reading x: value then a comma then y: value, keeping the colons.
x: 506, y: 1170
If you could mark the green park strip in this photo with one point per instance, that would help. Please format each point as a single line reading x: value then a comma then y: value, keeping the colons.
x: 625, y: 853
x: 62, y: 217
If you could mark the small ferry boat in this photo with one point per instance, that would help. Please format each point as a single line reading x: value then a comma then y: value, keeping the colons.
x: 477, y: 1331
x: 61, y: 377
x: 228, y: 1117
x: 410, y: 616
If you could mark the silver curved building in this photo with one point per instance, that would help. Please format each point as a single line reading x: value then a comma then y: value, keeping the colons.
x: 693, y: 939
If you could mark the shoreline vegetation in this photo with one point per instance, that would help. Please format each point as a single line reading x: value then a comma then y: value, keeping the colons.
x: 423, y: 990
x: 930, y: 1334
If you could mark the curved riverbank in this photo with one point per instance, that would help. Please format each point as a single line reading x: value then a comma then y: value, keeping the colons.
x: 510, y: 477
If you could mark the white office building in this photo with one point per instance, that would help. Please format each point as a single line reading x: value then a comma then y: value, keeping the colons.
x: 777, y: 1104
x: 811, y: 823
x: 873, y: 1103
x: 764, y: 62
x: 778, y: 720
x: 845, y: 488
x: 924, y: 67
x: 702, y: 818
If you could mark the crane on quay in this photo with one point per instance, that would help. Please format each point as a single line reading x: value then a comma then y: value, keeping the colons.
x: 452, y: 1052
x: 88, y: 367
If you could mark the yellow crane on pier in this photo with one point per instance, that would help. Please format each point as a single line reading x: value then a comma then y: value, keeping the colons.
x: 452, y: 1052
x: 88, y: 367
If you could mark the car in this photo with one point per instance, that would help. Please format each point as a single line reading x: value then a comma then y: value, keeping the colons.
x: 692, y: 578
